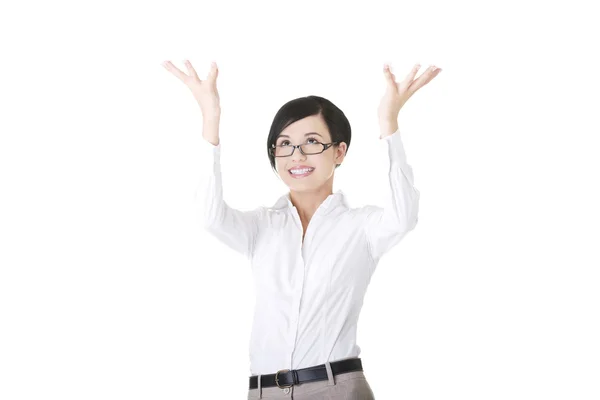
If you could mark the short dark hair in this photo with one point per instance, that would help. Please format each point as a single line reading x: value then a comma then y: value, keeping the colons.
x: 302, y: 107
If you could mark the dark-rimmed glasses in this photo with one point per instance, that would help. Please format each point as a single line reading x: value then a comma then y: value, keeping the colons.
x: 305, y: 148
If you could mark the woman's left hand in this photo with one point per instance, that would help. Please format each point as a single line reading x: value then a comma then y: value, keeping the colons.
x: 397, y: 94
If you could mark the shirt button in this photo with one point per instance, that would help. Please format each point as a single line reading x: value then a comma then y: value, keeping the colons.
x: 286, y: 390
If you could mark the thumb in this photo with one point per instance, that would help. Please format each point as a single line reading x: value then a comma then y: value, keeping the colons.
x: 214, y: 71
x: 389, y: 77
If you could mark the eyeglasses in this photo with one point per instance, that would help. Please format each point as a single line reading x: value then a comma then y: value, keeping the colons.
x: 305, y: 148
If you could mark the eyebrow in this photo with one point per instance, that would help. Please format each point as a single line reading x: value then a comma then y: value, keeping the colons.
x: 306, y: 134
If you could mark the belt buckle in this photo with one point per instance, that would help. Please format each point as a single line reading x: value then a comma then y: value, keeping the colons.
x: 277, y: 381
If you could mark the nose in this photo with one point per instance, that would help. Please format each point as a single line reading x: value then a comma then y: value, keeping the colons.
x: 297, y: 156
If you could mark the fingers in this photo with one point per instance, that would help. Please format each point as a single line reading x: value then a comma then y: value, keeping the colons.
x: 174, y: 70
x: 390, y: 78
x: 411, y: 75
x: 425, y: 78
x: 191, y: 69
x: 212, y: 74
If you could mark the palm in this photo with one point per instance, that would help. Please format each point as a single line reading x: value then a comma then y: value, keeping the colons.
x: 398, y: 93
x: 204, y: 91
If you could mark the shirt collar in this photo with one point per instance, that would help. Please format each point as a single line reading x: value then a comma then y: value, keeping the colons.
x: 338, y: 198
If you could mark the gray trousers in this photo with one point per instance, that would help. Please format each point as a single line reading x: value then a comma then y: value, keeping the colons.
x: 347, y: 386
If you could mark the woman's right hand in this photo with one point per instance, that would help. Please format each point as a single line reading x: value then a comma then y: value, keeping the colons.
x: 205, y: 92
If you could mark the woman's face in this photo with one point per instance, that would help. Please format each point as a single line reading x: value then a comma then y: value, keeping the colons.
x: 308, y: 130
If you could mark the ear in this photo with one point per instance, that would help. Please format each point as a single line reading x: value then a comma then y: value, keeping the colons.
x: 340, y: 152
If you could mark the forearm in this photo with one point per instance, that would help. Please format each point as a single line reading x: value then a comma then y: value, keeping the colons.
x: 386, y: 226
x: 235, y: 228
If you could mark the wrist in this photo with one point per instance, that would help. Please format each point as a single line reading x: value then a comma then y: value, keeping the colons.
x: 213, y: 115
x: 387, y: 127
x: 210, y: 129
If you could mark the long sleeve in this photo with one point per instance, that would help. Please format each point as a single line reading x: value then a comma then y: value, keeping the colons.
x: 386, y: 226
x: 236, y: 229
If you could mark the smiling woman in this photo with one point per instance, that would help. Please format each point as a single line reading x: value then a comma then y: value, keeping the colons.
x: 312, y: 254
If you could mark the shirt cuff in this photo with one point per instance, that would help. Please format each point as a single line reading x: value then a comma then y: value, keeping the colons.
x: 395, y: 147
x: 210, y: 159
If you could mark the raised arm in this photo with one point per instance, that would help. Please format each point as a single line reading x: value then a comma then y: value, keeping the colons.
x: 235, y: 228
x: 386, y: 226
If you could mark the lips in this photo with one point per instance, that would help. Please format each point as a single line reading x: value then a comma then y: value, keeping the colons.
x: 301, y: 175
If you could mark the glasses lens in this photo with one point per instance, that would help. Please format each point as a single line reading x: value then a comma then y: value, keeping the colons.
x: 312, y: 148
x: 283, y: 151
x: 308, y: 148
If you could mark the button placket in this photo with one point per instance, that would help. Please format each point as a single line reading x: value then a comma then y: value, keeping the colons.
x: 303, y: 243
x: 298, y: 299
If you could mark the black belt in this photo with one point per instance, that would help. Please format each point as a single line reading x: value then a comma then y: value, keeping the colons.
x: 287, y: 378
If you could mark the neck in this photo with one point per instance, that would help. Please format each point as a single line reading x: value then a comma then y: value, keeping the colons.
x: 307, y: 202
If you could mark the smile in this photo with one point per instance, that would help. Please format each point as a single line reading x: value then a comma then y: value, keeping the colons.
x: 302, y: 173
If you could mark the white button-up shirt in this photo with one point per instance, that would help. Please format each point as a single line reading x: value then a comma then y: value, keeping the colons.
x: 309, y: 294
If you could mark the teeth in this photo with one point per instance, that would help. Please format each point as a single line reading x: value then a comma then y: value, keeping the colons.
x: 301, y: 171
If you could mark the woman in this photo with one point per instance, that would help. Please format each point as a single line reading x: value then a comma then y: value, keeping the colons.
x: 312, y: 255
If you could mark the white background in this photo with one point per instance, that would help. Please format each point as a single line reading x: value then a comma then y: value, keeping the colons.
x: 111, y: 289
